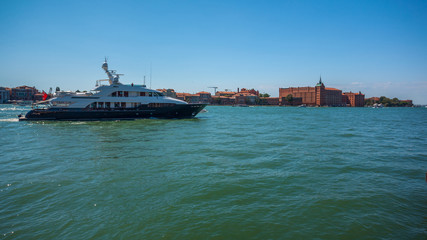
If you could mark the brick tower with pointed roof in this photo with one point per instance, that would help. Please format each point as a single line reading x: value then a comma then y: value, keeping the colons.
x: 320, y: 93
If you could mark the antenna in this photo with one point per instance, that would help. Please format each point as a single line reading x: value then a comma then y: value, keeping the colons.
x: 151, y: 67
x: 144, y: 80
x: 214, y: 89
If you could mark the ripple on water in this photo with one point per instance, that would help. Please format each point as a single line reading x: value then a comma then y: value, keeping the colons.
x: 237, y: 173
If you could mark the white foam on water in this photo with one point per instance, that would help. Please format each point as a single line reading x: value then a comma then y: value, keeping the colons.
x: 77, y: 123
x: 9, y: 120
x: 8, y: 109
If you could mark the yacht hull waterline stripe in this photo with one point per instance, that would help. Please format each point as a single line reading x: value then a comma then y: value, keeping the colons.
x: 177, y: 111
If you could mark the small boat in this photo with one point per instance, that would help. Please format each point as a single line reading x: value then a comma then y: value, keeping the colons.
x: 378, y: 105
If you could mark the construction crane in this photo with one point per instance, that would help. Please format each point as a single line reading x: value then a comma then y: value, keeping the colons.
x: 214, y: 89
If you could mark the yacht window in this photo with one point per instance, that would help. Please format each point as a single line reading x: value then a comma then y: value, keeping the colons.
x: 93, y: 105
x: 101, y: 105
x: 116, y: 105
x: 160, y: 94
x: 123, y: 105
x: 126, y: 94
x: 107, y: 105
x: 150, y: 94
x: 114, y: 94
x: 120, y: 93
x: 142, y: 94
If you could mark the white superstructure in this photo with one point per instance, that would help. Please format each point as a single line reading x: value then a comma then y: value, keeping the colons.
x: 113, y: 95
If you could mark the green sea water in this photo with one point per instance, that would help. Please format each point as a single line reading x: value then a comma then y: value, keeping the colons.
x: 231, y: 173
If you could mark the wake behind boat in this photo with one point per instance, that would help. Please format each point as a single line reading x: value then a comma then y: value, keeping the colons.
x: 112, y: 101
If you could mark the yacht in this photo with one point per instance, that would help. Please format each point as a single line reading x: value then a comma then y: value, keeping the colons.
x: 111, y: 100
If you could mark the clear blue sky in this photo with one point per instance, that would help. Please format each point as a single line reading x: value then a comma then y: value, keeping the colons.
x: 377, y: 47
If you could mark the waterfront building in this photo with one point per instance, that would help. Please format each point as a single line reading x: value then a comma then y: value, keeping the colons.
x: 192, y: 98
x: 294, y: 101
x: 246, y: 98
x: 23, y: 93
x: 168, y: 92
x: 354, y: 99
x: 4, y: 95
x: 182, y: 96
x: 307, y: 94
x: 317, y: 96
x: 200, y: 97
x: 225, y: 93
x: 248, y: 91
x: 223, y: 100
x: 269, y: 101
x: 204, y: 97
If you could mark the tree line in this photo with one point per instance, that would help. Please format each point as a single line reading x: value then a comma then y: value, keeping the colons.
x: 388, y: 102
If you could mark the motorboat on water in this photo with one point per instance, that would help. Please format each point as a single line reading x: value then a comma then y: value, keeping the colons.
x: 112, y: 101
x: 378, y: 105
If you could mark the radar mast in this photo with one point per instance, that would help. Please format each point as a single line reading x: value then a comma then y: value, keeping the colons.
x: 113, y: 77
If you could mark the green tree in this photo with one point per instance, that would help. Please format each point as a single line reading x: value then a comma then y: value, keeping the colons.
x: 369, y: 102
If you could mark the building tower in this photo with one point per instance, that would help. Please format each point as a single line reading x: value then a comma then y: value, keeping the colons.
x: 320, y: 93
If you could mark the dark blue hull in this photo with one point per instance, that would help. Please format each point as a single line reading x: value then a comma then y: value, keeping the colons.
x: 176, y: 111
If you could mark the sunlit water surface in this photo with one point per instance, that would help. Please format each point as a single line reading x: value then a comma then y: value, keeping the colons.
x: 231, y: 173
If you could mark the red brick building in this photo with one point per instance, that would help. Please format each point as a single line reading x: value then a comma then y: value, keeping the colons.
x: 248, y: 91
x: 23, y: 93
x: 168, y: 92
x: 204, y: 97
x: 318, y: 96
x: 354, y: 99
x: 225, y: 94
x: 271, y: 100
x: 307, y: 94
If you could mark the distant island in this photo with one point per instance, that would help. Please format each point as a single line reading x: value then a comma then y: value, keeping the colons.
x: 319, y: 95
x: 387, y: 102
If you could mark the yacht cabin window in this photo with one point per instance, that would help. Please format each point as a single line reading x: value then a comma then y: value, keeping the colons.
x: 142, y: 94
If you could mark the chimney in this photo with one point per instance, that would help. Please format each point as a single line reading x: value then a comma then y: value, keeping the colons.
x: 238, y: 90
